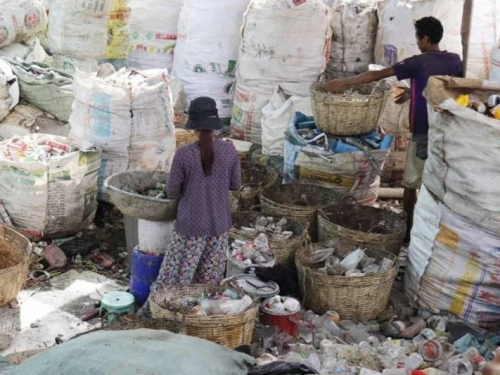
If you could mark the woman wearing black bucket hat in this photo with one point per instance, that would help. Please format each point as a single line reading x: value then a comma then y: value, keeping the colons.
x: 202, y: 174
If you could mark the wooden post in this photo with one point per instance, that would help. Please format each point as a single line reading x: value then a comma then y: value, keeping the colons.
x: 466, y: 27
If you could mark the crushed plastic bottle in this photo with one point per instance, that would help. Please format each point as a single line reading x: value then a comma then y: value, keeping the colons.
x: 414, y: 361
x: 261, y: 242
x: 351, y: 261
x: 461, y: 366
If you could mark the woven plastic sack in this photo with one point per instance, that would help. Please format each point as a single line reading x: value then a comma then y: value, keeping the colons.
x: 48, y: 89
x: 462, y: 276
x: 484, y: 38
x: 354, y: 27
x: 144, y: 352
x: 129, y: 115
x: 350, y: 173
x: 464, y: 158
x: 284, y: 41
x: 495, y: 65
x: 153, y: 33
x: 207, y: 50
x: 425, y: 228
x: 9, y: 89
x: 84, y: 32
x: 28, y: 51
x: 393, y: 45
x: 54, y: 198
x: 21, y: 20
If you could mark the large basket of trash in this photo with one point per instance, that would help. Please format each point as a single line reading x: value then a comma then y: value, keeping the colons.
x: 184, y: 137
x: 213, y: 313
x: 15, y: 251
x: 285, y: 235
x: 298, y: 202
x: 365, y: 226
x: 254, y: 178
x: 349, y: 111
x: 355, y: 282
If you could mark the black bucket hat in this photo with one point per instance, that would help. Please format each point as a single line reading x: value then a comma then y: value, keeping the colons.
x: 203, y: 115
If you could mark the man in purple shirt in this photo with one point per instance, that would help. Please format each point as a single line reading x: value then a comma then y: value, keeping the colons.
x: 432, y: 62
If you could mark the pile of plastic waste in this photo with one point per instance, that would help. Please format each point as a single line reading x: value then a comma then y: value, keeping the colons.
x: 205, y: 304
x: 306, y: 130
x: 416, y: 346
x: 157, y: 191
x: 490, y: 107
x: 252, y: 253
x: 268, y: 226
x: 28, y: 150
x: 355, y: 264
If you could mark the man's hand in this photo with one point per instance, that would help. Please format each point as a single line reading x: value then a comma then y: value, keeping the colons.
x: 335, y: 85
x: 402, y: 95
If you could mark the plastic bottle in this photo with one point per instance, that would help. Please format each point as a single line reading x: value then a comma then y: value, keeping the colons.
x: 414, y: 361
x: 351, y: 261
x: 461, y: 366
x: 431, y: 350
x: 261, y: 242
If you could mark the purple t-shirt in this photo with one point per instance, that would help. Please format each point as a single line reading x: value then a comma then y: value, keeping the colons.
x: 419, y: 68
x: 204, y: 207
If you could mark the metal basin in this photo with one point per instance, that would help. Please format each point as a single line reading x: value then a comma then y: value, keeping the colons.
x: 138, y: 206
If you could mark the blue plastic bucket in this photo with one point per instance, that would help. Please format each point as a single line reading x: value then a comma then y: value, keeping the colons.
x: 145, y: 269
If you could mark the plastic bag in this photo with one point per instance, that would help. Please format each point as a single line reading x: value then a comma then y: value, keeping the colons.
x: 284, y: 368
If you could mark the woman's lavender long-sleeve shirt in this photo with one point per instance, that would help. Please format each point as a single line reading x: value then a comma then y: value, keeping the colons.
x: 204, y: 207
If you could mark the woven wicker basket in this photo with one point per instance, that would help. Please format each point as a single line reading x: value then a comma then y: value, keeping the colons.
x: 354, y: 298
x: 184, y: 137
x: 344, y: 115
x: 363, y: 226
x: 15, y: 251
x: 298, y: 202
x: 283, y: 250
x: 228, y: 330
x: 255, y: 178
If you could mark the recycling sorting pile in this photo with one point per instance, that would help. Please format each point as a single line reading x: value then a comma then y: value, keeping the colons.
x: 307, y: 130
x: 355, y: 264
x: 272, y: 229
x: 157, y: 191
x: 205, y: 304
x: 331, y: 346
x: 490, y: 107
x: 27, y: 150
x: 252, y: 253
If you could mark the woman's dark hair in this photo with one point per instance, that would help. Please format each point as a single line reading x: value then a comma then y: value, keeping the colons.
x: 430, y: 27
x: 207, y: 150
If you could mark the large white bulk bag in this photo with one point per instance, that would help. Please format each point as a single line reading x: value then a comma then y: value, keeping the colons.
x: 464, y: 157
x: 82, y: 33
x: 396, y: 34
x: 9, y: 89
x: 495, y: 65
x: 153, y: 33
x: 425, y: 228
x: 28, y: 51
x: 48, y: 89
x: 284, y: 41
x: 207, y: 49
x: 129, y: 115
x: 484, y: 37
x: 354, y: 27
x: 20, y: 20
x: 51, y: 198
x: 463, y: 274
